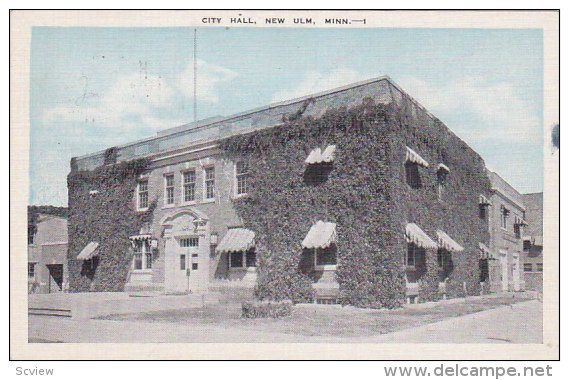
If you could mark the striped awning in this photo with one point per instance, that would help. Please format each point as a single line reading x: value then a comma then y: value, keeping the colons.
x: 236, y: 240
x: 484, y: 251
x: 418, y: 237
x: 520, y: 221
x: 534, y: 240
x: 483, y: 201
x: 413, y: 157
x: 140, y: 237
x: 90, y: 251
x: 448, y: 243
x: 318, y: 156
x: 321, y: 235
x: 443, y: 167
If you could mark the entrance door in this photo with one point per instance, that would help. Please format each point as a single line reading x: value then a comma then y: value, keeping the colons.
x: 188, y: 252
x: 55, y: 277
x: 504, y: 265
x: 516, y: 272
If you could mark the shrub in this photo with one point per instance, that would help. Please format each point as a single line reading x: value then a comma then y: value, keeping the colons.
x: 266, y: 309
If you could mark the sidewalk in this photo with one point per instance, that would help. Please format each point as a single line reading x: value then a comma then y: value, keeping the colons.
x: 518, y: 323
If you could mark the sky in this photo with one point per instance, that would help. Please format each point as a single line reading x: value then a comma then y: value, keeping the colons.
x: 94, y: 88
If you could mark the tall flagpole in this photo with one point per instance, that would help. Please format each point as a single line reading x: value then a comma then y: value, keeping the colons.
x: 195, y: 75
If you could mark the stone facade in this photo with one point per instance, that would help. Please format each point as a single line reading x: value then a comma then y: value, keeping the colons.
x: 445, y: 198
x: 47, y: 251
x: 507, y: 223
x: 532, y: 256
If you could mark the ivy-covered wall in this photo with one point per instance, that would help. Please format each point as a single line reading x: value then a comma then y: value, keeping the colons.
x: 284, y: 203
x: 366, y: 194
x: 107, y: 217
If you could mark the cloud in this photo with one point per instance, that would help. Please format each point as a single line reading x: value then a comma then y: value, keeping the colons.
x: 315, y: 81
x: 140, y: 101
x: 210, y: 76
x: 500, y: 111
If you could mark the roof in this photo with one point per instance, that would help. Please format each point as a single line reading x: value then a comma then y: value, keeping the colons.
x: 508, y: 191
x: 382, y: 89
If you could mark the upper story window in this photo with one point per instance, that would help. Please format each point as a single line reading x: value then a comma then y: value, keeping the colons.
x: 412, y: 163
x: 189, y: 185
x: 527, y: 244
x: 31, y: 234
x: 241, y: 178
x: 31, y: 270
x: 142, y: 258
x: 142, y: 196
x: 517, y: 231
x: 442, y: 175
x: 209, y: 182
x: 504, y: 213
x: 169, y: 189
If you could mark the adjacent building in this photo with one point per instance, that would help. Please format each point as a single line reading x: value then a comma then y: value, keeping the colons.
x: 47, y: 253
x: 532, y: 255
x: 357, y: 195
x: 506, y: 219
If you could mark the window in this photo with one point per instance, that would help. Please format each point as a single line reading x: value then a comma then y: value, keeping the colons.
x: 517, y: 231
x: 504, y: 217
x: 209, y: 178
x: 182, y: 262
x: 31, y: 234
x: 250, y: 259
x: 482, y: 212
x: 194, y: 266
x: 440, y: 258
x: 142, y: 258
x: 189, y: 242
x: 325, y: 256
x: 241, y: 178
x: 528, y: 267
x: 236, y: 260
x: 412, y: 175
x: 169, y: 189
x: 143, y: 195
x: 527, y: 245
x: 442, y: 175
x: 189, y: 185
x: 31, y: 270
x: 410, y: 259
x: 539, y: 267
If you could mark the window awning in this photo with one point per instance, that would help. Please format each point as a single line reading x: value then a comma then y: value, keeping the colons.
x: 484, y: 251
x: 141, y: 237
x: 448, y: 243
x: 321, y: 235
x: 413, y: 157
x: 236, y: 240
x: 520, y: 222
x: 90, y: 251
x: 318, y: 156
x: 534, y: 240
x: 418, y: 237
x: 443, y: 167
x: 483, y: 201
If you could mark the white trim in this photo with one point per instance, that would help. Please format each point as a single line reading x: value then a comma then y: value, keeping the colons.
x: 54, y: 243
x: 183, y: 201
x: 165, y: 195
x: 322, y: 267
x: 204, y: 185
x: 146, y: 179
x: 235, y: 183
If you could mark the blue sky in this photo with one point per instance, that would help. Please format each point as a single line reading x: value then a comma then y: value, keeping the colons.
x: 93, y: 88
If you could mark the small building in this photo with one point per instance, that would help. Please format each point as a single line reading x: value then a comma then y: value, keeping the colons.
x: 506, y: 220
x: 532, y: 256
x: 356, y: 195
x: 47, y: 253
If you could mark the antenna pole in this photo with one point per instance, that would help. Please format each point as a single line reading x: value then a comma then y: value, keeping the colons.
x: 195, y: 75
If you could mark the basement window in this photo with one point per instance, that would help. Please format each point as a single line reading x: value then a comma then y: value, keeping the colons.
x: 528, y: 267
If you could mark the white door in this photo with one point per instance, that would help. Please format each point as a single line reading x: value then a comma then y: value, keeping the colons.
x: 504, y: 265
x: 516, y: 272
x: 176, y: 267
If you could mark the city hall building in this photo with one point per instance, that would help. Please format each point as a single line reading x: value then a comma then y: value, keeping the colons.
x: 356, y: 194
